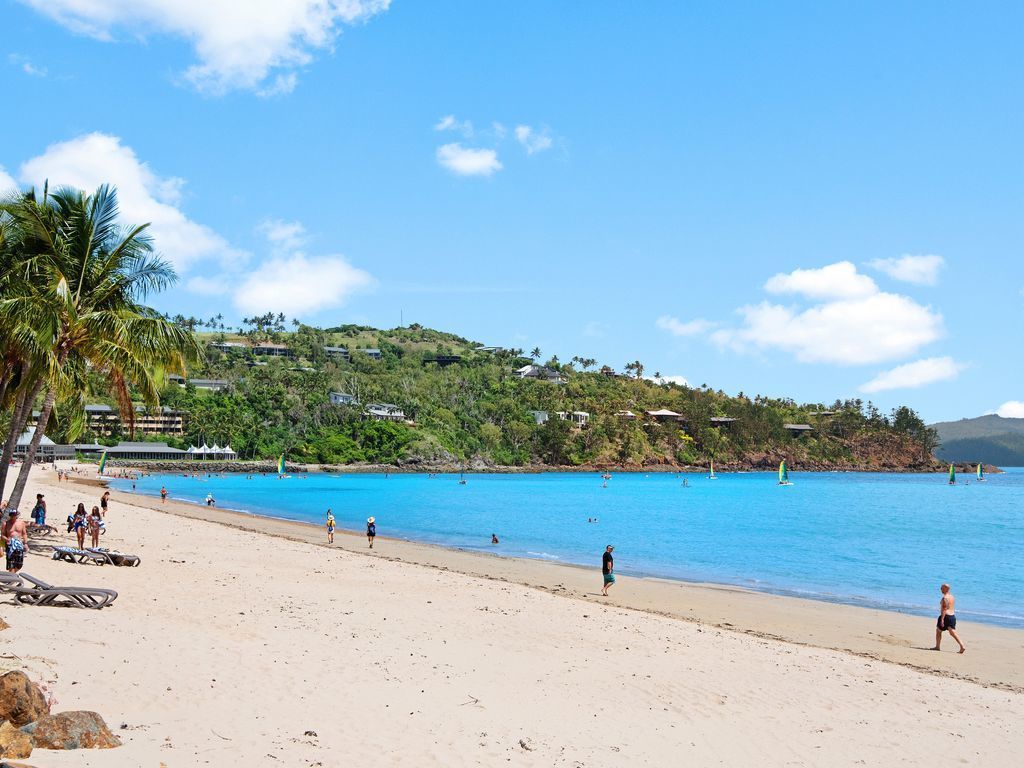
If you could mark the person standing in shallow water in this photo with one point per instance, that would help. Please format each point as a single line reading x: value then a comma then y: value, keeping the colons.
x: 608, y: 569
x: 947, y: 619
x: 371, y: 530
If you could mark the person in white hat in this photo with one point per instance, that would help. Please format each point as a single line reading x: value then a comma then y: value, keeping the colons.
x: 371, y: 529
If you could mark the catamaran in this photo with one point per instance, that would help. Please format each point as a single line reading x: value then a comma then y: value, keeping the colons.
x: 952, y: 475
x: 981, y: 473
x: 712, y: 476
x: 783, y: 473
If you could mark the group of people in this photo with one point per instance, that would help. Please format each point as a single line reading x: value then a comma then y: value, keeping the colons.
x: 14, y: 530
x: 332, y: 525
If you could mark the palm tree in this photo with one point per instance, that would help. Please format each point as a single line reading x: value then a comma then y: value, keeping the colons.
x: 535, y: 353
x: 88, y: 277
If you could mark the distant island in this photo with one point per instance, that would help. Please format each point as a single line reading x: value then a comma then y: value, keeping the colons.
x: 421, y: 398
x: 990, y: 439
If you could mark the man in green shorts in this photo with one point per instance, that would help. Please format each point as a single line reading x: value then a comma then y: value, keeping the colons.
x: 608, y: 569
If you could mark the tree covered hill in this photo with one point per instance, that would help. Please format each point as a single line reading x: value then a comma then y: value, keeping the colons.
x: 465, y: 405
x: 990, y: 439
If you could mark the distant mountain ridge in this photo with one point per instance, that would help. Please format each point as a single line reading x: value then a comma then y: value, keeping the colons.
x: 990, y: 439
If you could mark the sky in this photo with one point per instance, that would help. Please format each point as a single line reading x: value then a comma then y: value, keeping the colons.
x: 802, y: 200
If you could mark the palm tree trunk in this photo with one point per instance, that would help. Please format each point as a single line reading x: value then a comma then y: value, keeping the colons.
x: 22, y: 410
x: 30, y: 456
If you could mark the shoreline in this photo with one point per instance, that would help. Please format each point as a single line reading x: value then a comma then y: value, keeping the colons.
x: 270, y: 467
x: 898, y: 638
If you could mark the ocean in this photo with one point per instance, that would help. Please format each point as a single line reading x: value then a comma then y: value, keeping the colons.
x: 879, y: 540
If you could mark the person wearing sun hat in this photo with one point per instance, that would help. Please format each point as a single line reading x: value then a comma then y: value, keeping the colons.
x: 371, y: 529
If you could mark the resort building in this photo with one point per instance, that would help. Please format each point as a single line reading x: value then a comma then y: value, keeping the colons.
x: 722, y: 421
x: 47, y: 450
x: 370, y: 352
x: 384, y: 412
x: 578, y: 418
x: 105, y: 419
x: 269, y: 349
x: 490, y: 350
x: 798, y: 430
x: 540, y: 417
x: 539, y: 372
x: 214, y: 385
x: 224, y: 346
x: 662, y: 415
x: 337, y: 353
x: 342, y: 398
x: 628, y: 415
x: 145, y: 451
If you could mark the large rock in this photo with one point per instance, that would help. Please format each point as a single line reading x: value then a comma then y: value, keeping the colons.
x: 14, y: 743
x: 71, y: 730
x: 21, y: 701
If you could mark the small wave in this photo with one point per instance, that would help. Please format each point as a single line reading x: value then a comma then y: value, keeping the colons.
x: 545, y: 555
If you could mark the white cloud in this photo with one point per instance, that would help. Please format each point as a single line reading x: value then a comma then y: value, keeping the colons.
x: 914, y: 375
x: 7, y: 183
x: 238, y: 44
x: 532, y: 140
x: 298, y: 283
x: 466, y: 161
x: 836, y: 281
x: 872, y: 329
x: 1011, y: 409
x: 851, y: 321
x: 449, y: 123
x: 98, y: 158
x: 499, y: 130
x: 283, y: 235
x: 27, y: 66
x: 921, y: 270
x: 678, y: 328
x: 594, y: 329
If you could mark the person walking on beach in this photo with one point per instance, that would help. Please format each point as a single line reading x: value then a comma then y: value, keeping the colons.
x: 94, y: 522
x: 15, y: 536
x: 79, y: 523
x: 371, y: 530
x: 163, y: 495
x: 608, y: 569
x: 947, y: 619
x: 330, y: 527
x: 104, y: 500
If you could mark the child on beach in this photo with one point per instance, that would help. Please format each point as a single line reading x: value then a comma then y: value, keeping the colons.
x: 104, y: 499
x: 330, y: 527
x: 371, y: 530
x: 39, y: 510
x: 163, y: 495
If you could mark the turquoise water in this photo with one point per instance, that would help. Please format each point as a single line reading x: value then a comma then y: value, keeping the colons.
x: 880, y: 540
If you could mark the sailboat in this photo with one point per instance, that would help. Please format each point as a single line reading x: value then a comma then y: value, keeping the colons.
x: 462, y: 479
x: 952, y: 475
x: 712, y: 476
x: 783, y: 473
x: 981, y: 473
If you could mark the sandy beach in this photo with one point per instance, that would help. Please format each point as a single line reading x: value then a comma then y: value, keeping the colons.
x: 238, y: 635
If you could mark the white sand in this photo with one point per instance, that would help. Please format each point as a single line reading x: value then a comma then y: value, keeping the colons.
x: 225, y: 646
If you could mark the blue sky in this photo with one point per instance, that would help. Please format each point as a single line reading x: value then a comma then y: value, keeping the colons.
x: 794, y: 199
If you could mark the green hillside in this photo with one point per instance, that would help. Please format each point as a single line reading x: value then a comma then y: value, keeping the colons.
x: 990, y: 439
x: 463, y: 405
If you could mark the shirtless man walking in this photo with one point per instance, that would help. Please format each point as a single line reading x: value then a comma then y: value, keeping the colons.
x: 15, y: 534
x: 947, y: 619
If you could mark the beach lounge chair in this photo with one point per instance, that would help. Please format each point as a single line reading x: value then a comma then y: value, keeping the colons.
x: 73, y: 555
x: 117, y: 558
x: 32, y: 591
